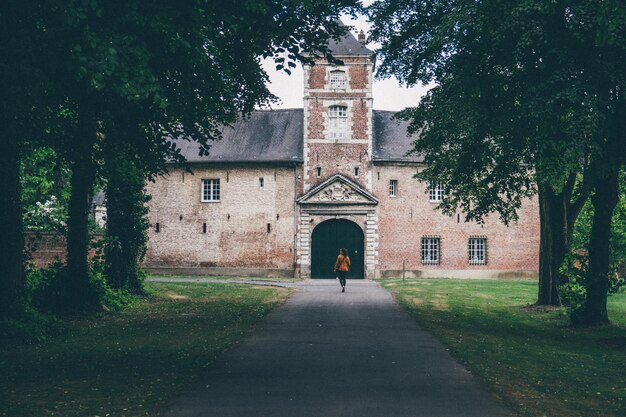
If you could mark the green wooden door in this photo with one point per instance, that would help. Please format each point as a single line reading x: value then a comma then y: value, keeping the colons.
x: 327, y: 238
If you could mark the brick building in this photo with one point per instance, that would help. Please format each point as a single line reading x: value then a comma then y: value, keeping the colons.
x: 285, y: 189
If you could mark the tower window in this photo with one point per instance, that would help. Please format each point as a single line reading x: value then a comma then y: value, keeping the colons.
x: 261, y: 182
x: 356, y: 171
x: 393, y: 188
x: 319, y: 171
x: 338, y: 122
x: 338, y: 79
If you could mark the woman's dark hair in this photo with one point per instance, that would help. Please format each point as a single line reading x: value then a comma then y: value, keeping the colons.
x: 344, y: 251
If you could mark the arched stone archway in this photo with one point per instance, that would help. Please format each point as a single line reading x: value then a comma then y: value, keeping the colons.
x: 326, y: 240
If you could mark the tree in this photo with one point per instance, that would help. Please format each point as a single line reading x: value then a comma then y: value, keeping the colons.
x: 617, y: 240
x: 127, y: 224
x: 545, y: 81
x: 508, y: 117
x: 25, y: 92
x: 184, y: 70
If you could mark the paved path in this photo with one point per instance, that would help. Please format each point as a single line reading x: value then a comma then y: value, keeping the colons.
x: 328, y: 354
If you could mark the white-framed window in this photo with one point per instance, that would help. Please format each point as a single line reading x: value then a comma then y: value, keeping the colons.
x: 210, y: 190
x: 393, y: 188
x: 436, y: 193
x: 477, y: 250
x: 338, y: 79
x: 338, y: 122
x: 431, y: 247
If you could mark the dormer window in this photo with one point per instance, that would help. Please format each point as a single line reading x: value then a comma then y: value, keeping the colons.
x: 338, y: 79
x: 338, y: 122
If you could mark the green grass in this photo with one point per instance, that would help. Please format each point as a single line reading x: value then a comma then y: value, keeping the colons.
x: 131, y: 363
x: 228, y: 278
x: 531, y: 358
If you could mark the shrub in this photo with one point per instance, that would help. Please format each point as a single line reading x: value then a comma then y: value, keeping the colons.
x: 47, y: 290
x: 573, y: 293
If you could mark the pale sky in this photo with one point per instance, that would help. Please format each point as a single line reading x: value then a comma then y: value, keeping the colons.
x: 388, y: 94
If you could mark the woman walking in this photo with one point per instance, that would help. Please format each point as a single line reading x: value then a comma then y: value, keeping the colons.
x: 342, y: 266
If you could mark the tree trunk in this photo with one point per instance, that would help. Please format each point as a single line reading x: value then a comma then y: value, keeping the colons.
x: 80, y: 293
x: 606, y: 184
x: 604, y: 201
x: 554, y: 242
x: 11, y: 228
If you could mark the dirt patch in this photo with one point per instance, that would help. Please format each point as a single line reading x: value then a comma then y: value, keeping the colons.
x: 441, y: 305
x: 481, y: 295
x: 177, y: 297
x: 416, y: 301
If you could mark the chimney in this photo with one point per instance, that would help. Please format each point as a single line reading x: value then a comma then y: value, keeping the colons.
x: 362, y: 37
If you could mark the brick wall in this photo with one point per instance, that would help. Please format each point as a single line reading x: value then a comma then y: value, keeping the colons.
x: 359, y: 76
x: 315, y: 127
x: 43, y: 249
x: 403, y: 221
x: 337, y: 158
x: 237, y: 226
x: 317, y: 76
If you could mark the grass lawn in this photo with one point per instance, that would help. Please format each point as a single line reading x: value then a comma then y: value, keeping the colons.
x: 131, y: 363
x: 227, y: 278
x: 533, y: 359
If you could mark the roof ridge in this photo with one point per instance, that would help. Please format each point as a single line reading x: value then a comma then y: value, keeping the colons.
x: 274, y: 110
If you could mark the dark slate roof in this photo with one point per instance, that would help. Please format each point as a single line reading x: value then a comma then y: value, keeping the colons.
x: 277, y: 136
x: 266, y: 136
x: 99, y: 199
x: 391, y: 141
x: 348, y: 45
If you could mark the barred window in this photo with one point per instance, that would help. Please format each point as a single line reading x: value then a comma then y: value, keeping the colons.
x: 337, y: 79
x: 436, y: 192
x: 431, y: 250
x: 338, y: 122
x: 210, y: 190
x: 393, y: 188
x: 477, y: 250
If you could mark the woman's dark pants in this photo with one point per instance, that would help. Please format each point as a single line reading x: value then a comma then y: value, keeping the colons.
x: 342, y: 277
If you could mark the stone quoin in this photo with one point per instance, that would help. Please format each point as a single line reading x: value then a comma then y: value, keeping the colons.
x: 255, y: 204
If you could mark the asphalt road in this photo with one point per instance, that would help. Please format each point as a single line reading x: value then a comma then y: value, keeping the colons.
x: 330, y: 354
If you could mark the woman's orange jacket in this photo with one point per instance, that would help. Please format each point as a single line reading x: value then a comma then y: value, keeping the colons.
x: 343, y: 263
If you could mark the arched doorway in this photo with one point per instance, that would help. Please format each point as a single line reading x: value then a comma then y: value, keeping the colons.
x: 327, y: 238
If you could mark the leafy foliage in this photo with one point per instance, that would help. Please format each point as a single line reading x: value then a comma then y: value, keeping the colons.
x: 573, y: 292
x: 47, y: 291
x: 506, y: 113
x: 529, y: 94
x: 617, y: 239
x: 127, y: 223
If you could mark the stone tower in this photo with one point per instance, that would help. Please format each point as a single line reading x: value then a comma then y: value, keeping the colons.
x: 338, y: 115
x: 337, y: 207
